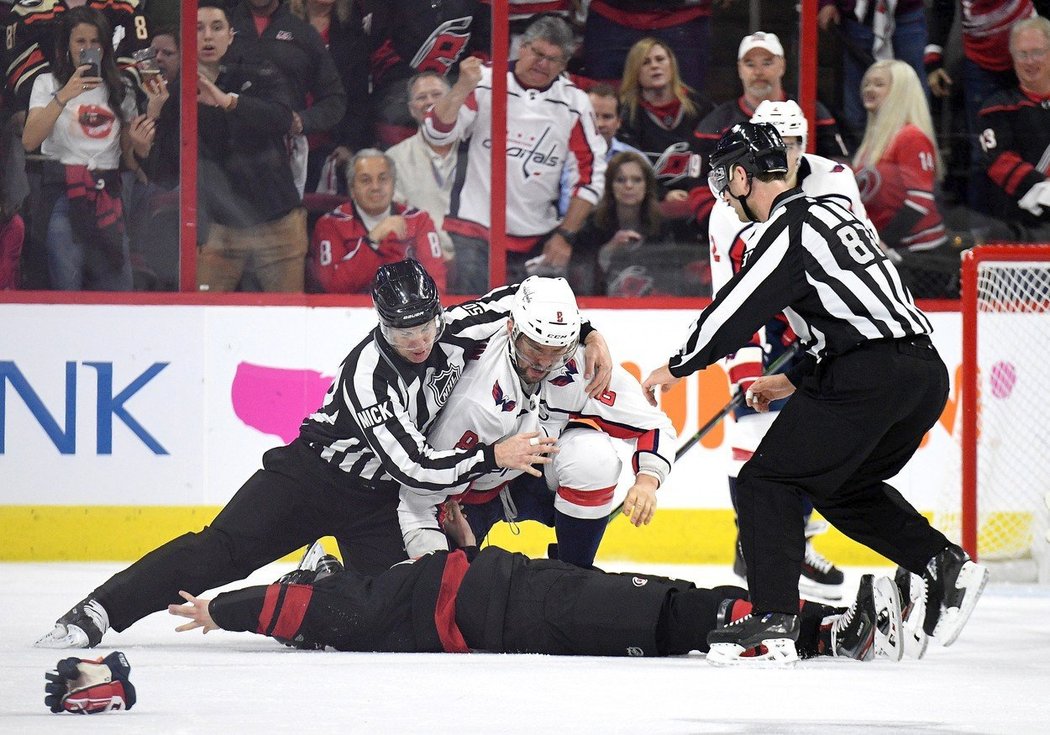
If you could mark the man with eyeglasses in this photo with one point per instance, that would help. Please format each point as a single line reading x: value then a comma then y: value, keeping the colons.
x: 1015, y: 136
x: 341, y: 476
x: 528, y: 379
x: 550, y: 128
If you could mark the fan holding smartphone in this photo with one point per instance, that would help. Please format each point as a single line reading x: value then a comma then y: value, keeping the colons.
x: 79, y: 115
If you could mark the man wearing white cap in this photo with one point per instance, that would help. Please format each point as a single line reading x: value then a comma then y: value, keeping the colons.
x: 761, y: 66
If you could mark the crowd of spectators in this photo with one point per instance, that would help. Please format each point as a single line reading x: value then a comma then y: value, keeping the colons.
x: 336, y: 135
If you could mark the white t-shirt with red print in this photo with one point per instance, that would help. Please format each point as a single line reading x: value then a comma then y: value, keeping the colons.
x: 87, y: 131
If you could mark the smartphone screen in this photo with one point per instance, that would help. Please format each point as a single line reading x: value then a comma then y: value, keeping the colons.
x: 93, y: 57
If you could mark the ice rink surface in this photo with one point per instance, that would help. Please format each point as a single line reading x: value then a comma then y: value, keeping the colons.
x: 994, y: 679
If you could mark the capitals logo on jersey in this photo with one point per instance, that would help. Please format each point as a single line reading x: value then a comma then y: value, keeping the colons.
x: 505, y: 404
x: 443, y: 47
x: 677, y: 162
x: 568, y: 376
x: 441, y: 385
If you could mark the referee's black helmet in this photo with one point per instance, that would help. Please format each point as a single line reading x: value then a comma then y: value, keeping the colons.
x: 405, y: 295
x: 757, y: 147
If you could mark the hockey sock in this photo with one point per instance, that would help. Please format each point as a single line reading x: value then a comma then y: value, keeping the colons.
x: 689, y: 615
x: 814, y: 637
x: 578, y: 538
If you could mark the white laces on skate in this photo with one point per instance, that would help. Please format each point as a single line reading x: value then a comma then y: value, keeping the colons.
x: 816, y: 560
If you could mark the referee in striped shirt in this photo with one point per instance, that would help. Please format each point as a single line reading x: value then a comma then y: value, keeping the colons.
x: 870, y: 386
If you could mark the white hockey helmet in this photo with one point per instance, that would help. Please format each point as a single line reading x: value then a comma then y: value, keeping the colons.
x: 545, y: 311
x: 785, y: 116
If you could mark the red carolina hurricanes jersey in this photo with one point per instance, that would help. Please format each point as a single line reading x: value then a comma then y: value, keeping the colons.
x: 904, y: 177
x: 344, y: 261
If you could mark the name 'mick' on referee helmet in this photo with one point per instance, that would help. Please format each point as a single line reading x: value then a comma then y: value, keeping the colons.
x: 405, y: 296
x: 757, y: 147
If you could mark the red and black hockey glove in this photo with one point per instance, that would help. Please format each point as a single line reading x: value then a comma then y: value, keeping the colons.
x: 90, y: 686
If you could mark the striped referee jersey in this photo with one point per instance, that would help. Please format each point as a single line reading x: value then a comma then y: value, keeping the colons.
x: 823, y: 268
x: 379, y: 406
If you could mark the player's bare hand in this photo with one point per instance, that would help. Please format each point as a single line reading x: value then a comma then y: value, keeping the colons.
x: 469, y: 74
x: 196, y: 609
x: 940, y: 83
x: 597, y: 364
x: 767, y: 389
x: 456, y: 526
x: 640, y: 504
x: 393, y: 224
x: 660, y: 378
x: 522, y: 451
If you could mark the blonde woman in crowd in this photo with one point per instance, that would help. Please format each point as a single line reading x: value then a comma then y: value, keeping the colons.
x: 898, y: 164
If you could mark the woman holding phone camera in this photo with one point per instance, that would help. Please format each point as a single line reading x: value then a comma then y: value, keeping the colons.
x: 78, y: 116
x: 621, y: 232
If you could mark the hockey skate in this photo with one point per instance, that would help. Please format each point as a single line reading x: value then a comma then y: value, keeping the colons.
x: 954, y: 583
x: 872, y: 625
x: 314, y: 566
x: 766, y: 640
x: 912, y: 591
x: 82, y: 627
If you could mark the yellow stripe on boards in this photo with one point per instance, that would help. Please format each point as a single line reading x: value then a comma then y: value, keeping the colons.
x: 125, y: 533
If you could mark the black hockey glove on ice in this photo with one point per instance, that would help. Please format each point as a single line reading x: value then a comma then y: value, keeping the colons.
x: 89, y: 686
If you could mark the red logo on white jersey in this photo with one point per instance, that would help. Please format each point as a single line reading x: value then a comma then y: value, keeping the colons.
x: 443, y: 47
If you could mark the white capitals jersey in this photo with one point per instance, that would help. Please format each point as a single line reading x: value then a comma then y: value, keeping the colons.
x: 490, y: 404
x: 730, y: 239
x: 548, y: 130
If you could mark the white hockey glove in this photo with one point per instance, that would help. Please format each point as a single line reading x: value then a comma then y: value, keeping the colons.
x: 90, y: 686
x: 1036, y: 198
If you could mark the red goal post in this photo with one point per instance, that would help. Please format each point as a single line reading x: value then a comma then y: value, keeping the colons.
x: 1005, y: 426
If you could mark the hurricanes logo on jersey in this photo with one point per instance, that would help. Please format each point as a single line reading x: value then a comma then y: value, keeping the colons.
x: 677, y: 162
x: 443, y: 47
x: 441, y: 385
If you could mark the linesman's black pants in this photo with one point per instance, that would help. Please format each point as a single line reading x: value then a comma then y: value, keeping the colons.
x: 295, y: 499
x: 847, y: 429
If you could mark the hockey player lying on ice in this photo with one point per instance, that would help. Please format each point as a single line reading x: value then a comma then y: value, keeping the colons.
x: 494, y: 600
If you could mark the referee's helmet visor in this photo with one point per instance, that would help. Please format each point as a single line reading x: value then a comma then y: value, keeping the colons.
x: 408, y: 304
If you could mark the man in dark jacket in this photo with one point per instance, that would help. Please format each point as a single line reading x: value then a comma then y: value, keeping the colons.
x: 252, y: 217
x: 269, y: 30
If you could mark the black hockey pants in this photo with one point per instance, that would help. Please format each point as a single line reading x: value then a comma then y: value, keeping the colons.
x: 295, y: 499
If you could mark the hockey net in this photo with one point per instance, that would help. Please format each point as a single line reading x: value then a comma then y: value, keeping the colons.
x: 1003, y: 515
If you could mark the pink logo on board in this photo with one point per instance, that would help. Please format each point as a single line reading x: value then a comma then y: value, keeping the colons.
x: 275, y: 400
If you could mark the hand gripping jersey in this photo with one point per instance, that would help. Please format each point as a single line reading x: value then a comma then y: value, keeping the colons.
x: 490, y: 404
x: 343, y: 260
x: 375, y: 414
x: 547, y: 130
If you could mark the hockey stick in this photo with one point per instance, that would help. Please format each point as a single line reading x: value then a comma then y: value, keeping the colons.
x: 773, y: 368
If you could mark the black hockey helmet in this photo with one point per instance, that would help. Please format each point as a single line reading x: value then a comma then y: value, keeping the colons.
x: 757, y: 147
x: 405, y: 295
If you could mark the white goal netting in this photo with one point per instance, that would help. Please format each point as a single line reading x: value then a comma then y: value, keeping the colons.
x: 1010, y: 429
